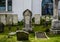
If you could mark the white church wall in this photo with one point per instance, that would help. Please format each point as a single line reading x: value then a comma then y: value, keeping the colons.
x: 37, y: 6
x: 19, y: 6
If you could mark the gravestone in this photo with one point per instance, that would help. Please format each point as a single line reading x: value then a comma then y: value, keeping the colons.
x: 1, y: 27
x: 27, y: 20
x: 37, y: 18
x: 3, y: 19
x: 55, y: 28
x: 40, y: 35
x: 9, y: 19
x: 22, y: 35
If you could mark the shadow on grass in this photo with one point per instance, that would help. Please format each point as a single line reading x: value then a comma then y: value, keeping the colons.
x: 26, y: 41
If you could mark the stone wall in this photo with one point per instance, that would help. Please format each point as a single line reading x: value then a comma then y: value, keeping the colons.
x: 9, y: 19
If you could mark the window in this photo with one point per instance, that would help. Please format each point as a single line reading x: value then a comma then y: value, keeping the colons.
x: 5, y: 5
x: 2, y: 5
x: 47, y: 7
x: 9, y: 5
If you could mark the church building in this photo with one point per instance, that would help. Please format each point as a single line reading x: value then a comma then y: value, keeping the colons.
x: 42, y: 7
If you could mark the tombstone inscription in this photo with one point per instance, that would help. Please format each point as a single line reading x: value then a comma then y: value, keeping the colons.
x: 27, y: 20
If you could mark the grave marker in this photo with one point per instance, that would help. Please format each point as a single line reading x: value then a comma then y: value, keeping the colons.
x: 37, y: 18
x: 40, y: 35
x: 27, y: 20
x: 22, y: 35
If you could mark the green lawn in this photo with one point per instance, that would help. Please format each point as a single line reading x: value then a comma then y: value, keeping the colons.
x: 4, y: 36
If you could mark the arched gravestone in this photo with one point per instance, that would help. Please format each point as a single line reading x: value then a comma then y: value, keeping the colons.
x: 27, y: 20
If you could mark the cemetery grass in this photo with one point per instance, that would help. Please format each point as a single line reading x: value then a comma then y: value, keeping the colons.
x: 52, y: 38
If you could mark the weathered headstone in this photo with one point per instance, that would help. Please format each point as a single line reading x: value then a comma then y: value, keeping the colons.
x: 27, y: 20
x: 3, y: 20
x: 1, y: 27
x: 22, y: 35
x: 37, y: 18
x: 40, y: 35
x: 9, y: 19
x: 55, y: 28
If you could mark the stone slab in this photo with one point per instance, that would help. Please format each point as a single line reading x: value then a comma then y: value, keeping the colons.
x: 40, y: 35
x: 37, y: 18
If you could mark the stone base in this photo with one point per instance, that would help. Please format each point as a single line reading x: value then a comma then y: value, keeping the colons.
x: 28, y: 30
x: 55, y: 28
x: 55, y: 31
x: 40, y: 35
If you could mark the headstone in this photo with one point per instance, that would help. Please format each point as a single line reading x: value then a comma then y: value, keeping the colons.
x: 1, y: 27
x: 15, y: 19
x: 55, y: 28
x: 3, y: 20
x: 9, y: 19
x: 40, y: 35
x: 22, y: 35
x: 27, y: 20
x: 37, y: 18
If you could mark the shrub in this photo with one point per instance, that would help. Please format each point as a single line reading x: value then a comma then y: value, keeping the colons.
x: 33, y: 20
x: 59, y: 17
x: 20, y: 22
x: 43, y: 20
x: 47, y: 30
